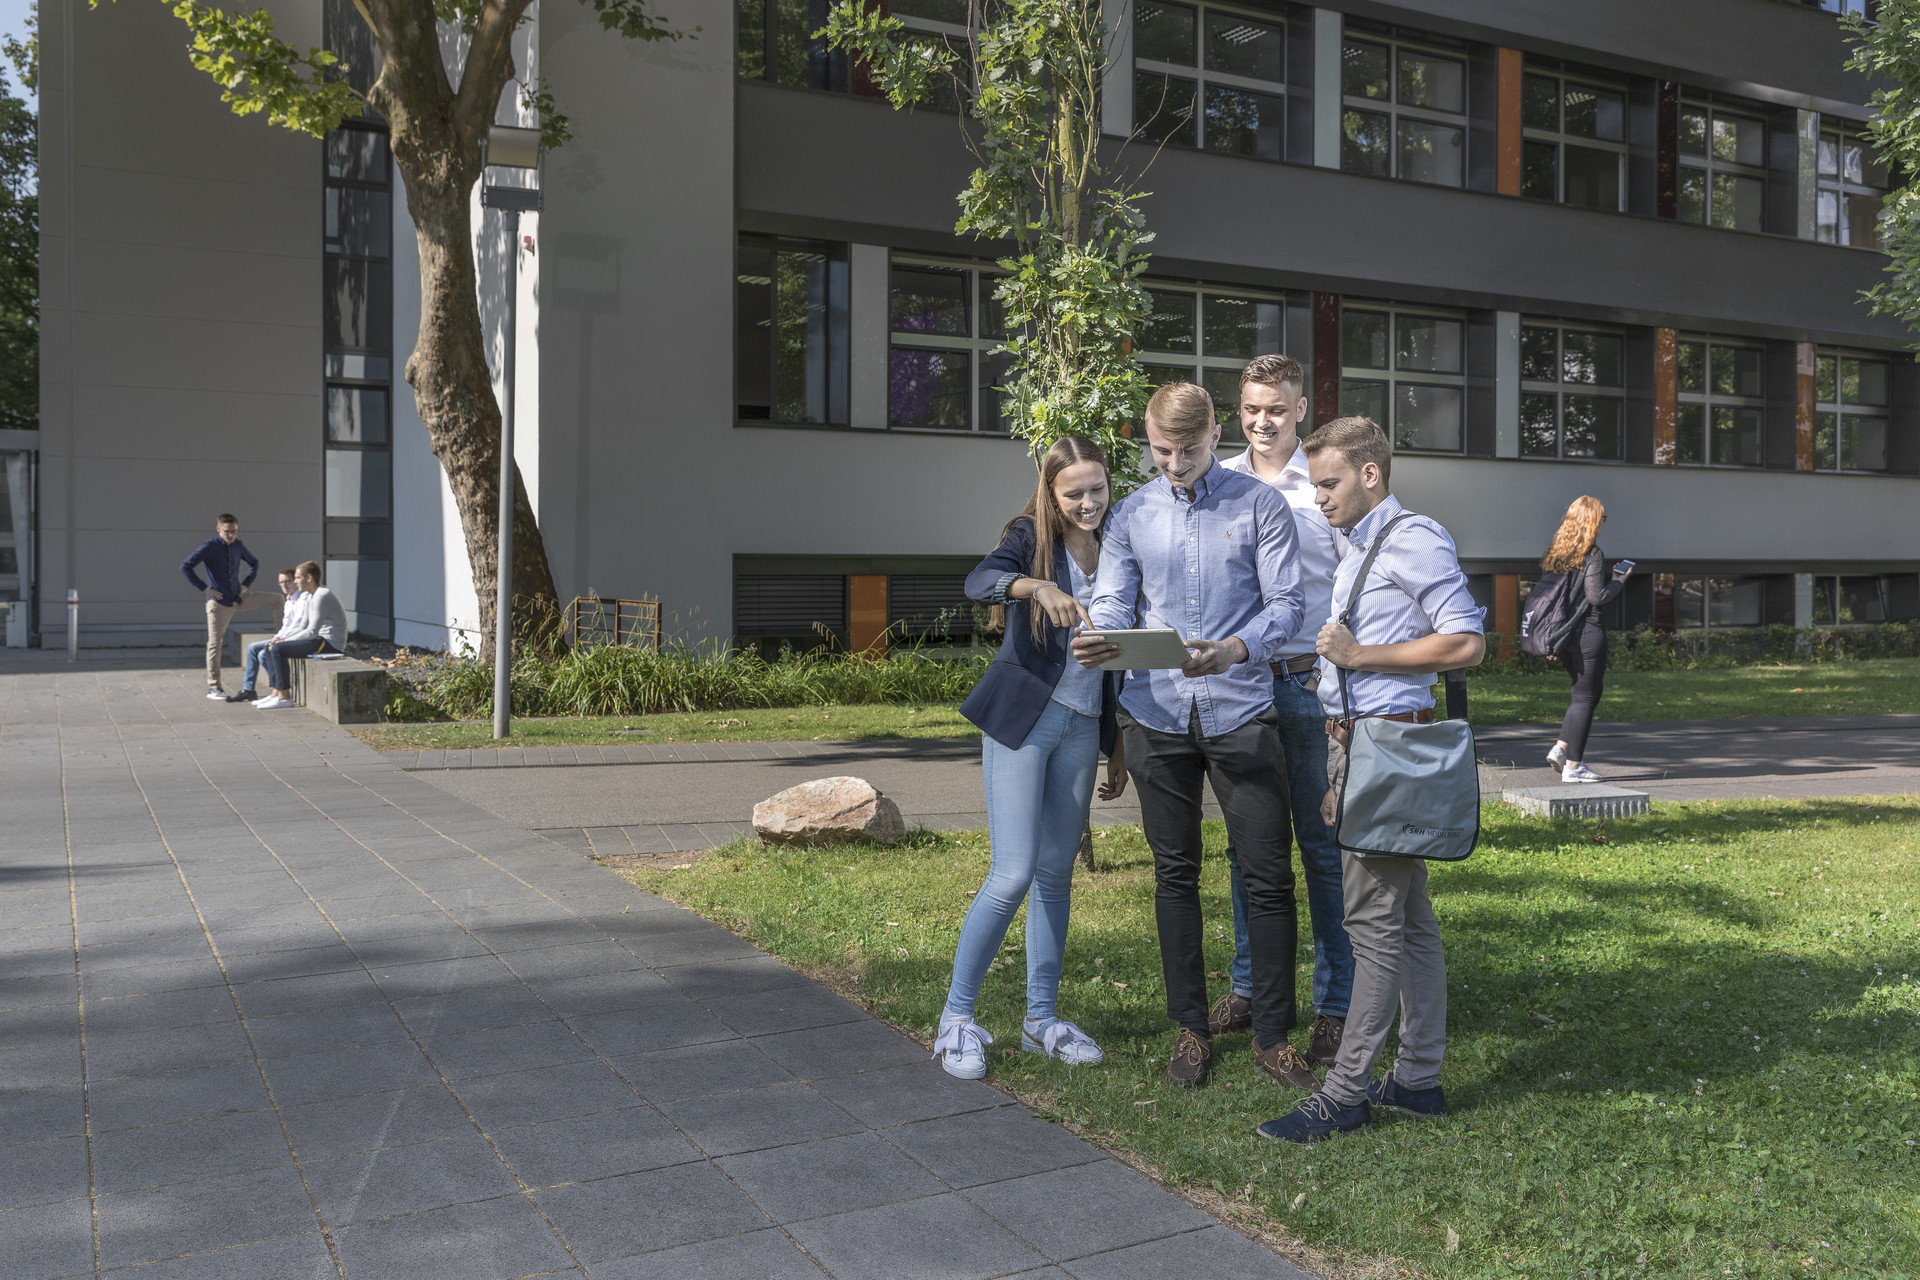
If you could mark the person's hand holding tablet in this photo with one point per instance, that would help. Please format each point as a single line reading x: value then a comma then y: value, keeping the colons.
x: 1212, y: 657
x: 1090, y: 649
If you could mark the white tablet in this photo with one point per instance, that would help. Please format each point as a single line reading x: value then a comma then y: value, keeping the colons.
x: 1148, y: 648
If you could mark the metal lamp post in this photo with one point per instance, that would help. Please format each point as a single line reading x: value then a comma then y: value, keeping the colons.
x: 507, y: 147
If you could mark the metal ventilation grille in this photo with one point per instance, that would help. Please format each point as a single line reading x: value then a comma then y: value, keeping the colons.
x: 769, y: 606
x: 929, y: 604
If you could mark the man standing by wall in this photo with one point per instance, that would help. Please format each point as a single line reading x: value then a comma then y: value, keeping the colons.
x: 225, y: 588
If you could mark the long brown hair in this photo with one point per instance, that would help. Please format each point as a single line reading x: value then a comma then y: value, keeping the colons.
x: 1049, y: 525
x: 1578, y: 534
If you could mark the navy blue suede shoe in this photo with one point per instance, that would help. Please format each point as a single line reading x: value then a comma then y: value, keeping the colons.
x: 1422, y: 1104
x: 1317, y: 1119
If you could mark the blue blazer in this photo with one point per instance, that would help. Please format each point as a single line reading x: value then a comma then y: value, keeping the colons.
x: 1017, y: 686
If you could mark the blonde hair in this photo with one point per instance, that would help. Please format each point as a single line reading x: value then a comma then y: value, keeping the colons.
x: 1358, y: 440
x: 1049, y: 522
x: 1182, y: 411
x: 312, y: 567
x: 1576, y: 538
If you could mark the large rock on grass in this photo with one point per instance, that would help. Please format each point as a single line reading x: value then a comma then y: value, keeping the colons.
x: 829, y: 811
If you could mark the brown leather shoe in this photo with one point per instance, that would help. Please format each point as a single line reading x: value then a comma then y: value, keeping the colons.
x: 1230, y: 1013
x: 1324, y: 1048
x: 1192, y: 1060
x: 1283, y: 1062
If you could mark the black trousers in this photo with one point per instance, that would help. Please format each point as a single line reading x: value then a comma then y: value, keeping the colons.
x: 1586, y: 661
x: 1250, y: 780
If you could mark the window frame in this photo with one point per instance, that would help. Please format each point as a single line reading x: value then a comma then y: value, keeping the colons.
x: 836, y: 363
x: 1842, y: 134
x: 1561, y: 139
x: 1200, y: 76
x: 976, y: 343
x: 1708, y: 399
x: 1842, y: 409
x: 1393, y: 376
x: 1392, y: 108
x: 1197, y: 362
x: 1709, y: 166
x: 1560, y: 388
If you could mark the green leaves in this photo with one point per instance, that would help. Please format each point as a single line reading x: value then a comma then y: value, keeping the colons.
x: 631, y: 19
x: 1889, y: 50
x: 259, y: 72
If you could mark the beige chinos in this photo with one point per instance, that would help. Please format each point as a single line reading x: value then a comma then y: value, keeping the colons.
x: 1399, y: 968
x: 218, y: 616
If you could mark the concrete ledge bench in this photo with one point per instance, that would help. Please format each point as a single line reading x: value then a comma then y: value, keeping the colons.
x: 344, y: 690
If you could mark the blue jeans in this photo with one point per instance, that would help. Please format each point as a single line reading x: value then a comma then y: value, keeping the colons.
x: 254, y: 651
x: 1037, y: 798
x: 278, y: 660
x: 1303, y: 739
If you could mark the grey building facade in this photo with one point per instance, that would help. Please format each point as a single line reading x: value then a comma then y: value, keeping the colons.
x: 1608, y: 248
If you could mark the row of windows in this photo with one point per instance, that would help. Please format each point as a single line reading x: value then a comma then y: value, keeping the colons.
x: 1218, y: 78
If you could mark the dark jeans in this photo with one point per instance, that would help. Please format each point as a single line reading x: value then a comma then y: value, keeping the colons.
x: 1303, y: 741
x: 277, y: 661
x: 1249, y: 780
x: 1586, y: 662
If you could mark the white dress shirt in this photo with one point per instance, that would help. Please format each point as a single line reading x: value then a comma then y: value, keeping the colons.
x: 1321, y: 549
x: 292, y: 613
x: 1415, y: 589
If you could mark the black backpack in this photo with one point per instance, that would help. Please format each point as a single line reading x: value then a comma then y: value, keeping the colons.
x: 1555, y: 610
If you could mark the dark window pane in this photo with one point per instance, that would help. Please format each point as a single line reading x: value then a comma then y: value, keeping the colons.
x: 1539, y: 434
x: 1736, y: 437
x: 1739, y: 141
x: 1363, y: 340
x: 1690, y: 603
x: 947, y: 90
x: 1693, y: 131
x: 1826, y: 226
x: 1159, y: 375
x: 1825, y: 389
x: 1688, y: 433
x: 1364, y: 143
x: 1870, y: 168
x: 1540, y: 169
x: 358, y: 222
x: 1433, y: 153
x: 1539, y: 355
x: 928, y: 300
x: 1596, y: 113
x: 1244, y: 47
x: 993, y: 315
x: 929, y: 388
x: 1863, y: 444
x: 1734, y: 602
x: 359, y: 304
x: 1863, y: 219
x: 1169, y: 324
x: 1540, y: 103
x: 1736, y: 371
x: 1426, y: 417
x: 1863, y: 381
x: 1427, y: 344
x: 1826, y: 444
x: 368, y: 368
x: 356, y: 415
x: 1363, y: 71
x: 1163, y: 32
x: 953, y: 11
x: 357, y: 483
x: 1739, y: 204
x: 750, y: 38
x: 360, y: 154
x: 1592, y: 427
x: 1427, y: 80
x: 1592, y: 358
x: 1829, y: 155
x: 1243, y: 123
x: 798, y: 58
x: 1163, y: 109
x: 809, y: 337
x: 1691, y: 366
x: 753, y: 333
x: 1367, y: 400
x: 1862, y: 599
x: 1691, y: 205
x: 1224, y: 386
x: 1593, y: 178
x: 994, y: 372
x: 1241, y: 327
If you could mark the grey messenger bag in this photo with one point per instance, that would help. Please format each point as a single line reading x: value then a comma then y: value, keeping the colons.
x: 1411, y: 790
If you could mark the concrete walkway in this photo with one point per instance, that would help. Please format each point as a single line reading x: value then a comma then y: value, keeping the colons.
x: 272, y: 1008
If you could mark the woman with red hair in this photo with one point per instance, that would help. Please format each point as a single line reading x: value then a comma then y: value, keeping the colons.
x: 1576, y: 553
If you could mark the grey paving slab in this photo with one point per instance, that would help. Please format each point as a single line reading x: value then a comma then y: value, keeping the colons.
x: 658, y: 1209
x: 719, y: 1066
x: 895, y: 1240
x: 302, y: 1257
x: 546, y: 1093
x: 190, y: 1217
x: 494, y: 1240
x: 399, y: 1117
x: 990, y: 1146
x: 728, y: 1123
x: 1114, y: 1207
x: 763, y: 1255
x: 50, y: 1240
x: 389, y: 1181
x: 1212, y: 1251
x: 152, y: 1155
x: 602, y: 1145
x: 833, y: 1175
x: 42, y: 1172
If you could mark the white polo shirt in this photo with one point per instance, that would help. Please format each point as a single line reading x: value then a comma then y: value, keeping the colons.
x: 1321, y: 548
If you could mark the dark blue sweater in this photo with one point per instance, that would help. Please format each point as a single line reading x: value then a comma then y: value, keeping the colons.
x: 223, y: 568
x: 1019, y: 683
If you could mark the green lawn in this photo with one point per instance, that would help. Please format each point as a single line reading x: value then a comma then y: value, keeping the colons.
x: 1824, y: 689
x: 1682, y: 1045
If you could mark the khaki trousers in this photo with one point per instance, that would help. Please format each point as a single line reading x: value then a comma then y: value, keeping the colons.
x: 1399, y: 968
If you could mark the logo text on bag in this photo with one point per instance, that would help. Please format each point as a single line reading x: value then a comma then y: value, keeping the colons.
x: 1439, y: 833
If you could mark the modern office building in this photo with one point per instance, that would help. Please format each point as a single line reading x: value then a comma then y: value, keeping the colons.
x: 1598, y: 246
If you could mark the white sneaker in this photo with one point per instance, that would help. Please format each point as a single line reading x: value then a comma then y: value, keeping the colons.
x: 1557, y: 757
x: 962, y: 1047
x: 216, y: 694
x: 1579, y: 773
x: 1062, y: 1040
x: 272, y: 703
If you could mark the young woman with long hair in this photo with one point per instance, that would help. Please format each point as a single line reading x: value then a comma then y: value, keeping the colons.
x: 1043, y: 721
x: 1575, y: 551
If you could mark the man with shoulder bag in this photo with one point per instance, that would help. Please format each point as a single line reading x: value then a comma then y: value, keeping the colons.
x: 1405, y: 614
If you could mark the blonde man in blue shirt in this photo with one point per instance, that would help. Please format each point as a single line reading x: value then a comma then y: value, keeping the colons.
x: 1415, y: 617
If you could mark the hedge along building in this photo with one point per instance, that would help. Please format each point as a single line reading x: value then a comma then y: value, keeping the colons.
x: 1609, y: 248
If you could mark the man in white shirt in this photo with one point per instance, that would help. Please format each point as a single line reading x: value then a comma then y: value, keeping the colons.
x: 1273, y: 403
x: 1414, y: 617
x: 291, y: 614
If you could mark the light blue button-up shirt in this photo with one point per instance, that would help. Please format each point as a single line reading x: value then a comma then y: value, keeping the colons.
x: 1217, y: 562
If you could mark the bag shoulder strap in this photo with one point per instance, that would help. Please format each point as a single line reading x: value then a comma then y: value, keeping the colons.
x: 1353, y: 600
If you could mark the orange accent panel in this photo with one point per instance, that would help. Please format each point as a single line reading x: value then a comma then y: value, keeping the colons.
x: 1506, y: 610
x: 1666, y: 372
x: 867, y: 612
x: 1803, y: 368
x: 1507, y: 125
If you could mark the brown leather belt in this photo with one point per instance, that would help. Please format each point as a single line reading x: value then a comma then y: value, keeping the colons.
x: 1342, y: 732
x: 1295, y: 666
